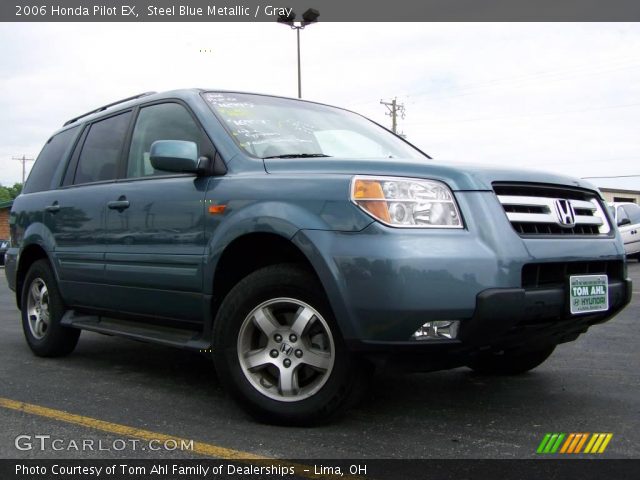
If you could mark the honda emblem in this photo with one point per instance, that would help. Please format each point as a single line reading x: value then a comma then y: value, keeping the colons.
x: 565, y: 214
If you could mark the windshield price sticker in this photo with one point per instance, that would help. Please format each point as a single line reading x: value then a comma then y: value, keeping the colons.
x: 588, y: 293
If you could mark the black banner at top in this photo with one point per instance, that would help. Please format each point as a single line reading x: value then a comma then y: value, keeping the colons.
x: 330, y: 10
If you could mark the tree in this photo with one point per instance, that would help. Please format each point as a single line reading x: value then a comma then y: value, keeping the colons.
x: 9, y: 193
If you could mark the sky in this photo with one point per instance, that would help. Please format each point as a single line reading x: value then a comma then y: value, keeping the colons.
x: 562, y: 97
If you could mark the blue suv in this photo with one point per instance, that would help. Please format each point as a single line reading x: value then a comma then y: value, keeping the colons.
x: 301, y: 245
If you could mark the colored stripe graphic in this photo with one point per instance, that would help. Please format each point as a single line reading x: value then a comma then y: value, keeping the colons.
x: 594, y: 437
x: 598, y: 443
x: 607, y: 439
x: 572, y: 443
x: 575, y: 445
x: 581, y: 443
x: 567, y: 443
x: 555, y: 447
x: 550, y: 443
x: 543, y: 443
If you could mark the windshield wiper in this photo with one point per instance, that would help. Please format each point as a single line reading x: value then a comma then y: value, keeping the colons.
x: 298, y: 155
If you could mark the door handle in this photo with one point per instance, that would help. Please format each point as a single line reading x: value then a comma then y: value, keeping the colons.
x: 53, y: 208
x: 120, y: 204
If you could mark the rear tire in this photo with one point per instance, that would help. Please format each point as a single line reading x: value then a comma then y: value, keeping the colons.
x: 279, y: 352
x: 42, y: 310
x: 513, y: 362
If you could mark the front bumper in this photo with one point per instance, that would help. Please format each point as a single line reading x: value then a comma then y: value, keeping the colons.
x: 384, y: 283
x: 504, y: 319
x: 514, y: 318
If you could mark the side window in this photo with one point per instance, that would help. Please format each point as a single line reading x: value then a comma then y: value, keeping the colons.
x: 633, y: 211
x: 166, y: 121
x: 101, y: 150
x: 622, y: 215
x: 55, y: 151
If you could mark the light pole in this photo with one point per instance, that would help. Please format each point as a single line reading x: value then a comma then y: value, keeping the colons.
x: 308, y: 17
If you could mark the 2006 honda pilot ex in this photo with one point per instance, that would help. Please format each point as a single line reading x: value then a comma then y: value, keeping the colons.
x: 302, y: 244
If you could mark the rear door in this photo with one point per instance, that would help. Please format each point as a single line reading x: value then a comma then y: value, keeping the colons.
x: 155, y: 222
x: 76, y: 214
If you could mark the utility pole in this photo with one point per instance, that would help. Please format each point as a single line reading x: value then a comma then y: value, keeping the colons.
x: 395, y: 109
x: 24, y: 161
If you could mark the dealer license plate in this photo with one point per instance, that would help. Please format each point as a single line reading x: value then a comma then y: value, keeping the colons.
x: 588, y: 293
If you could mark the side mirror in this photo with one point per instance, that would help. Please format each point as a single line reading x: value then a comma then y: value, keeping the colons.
x: 624, y: 221
x: 175, y: 156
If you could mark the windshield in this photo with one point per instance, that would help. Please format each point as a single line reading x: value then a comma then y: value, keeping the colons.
x: 271, y: 127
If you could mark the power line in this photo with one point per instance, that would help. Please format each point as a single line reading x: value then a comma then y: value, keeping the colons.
x: 526, y: 115
x: 24, y: 161
x: 614, y: 176
x: 586, y: 70
x: 545, y: 78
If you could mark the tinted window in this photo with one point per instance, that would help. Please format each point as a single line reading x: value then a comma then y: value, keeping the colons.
x: 167, y: 121
x: 101, y: 150
x: 633, y: 211
x: 54, y: 152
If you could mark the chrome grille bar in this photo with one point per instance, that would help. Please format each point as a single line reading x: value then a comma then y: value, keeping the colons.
x: 533, y: 214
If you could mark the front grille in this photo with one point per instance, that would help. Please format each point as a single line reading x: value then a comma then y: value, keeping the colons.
x: 533, y: 210
x: 548, y: 275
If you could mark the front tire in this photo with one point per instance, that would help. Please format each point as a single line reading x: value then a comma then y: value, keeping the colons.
x: 278, y: 350
x: 514, y: 362
x: 42, y: 310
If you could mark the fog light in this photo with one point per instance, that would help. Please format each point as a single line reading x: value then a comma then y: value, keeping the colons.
x: 438, y: 330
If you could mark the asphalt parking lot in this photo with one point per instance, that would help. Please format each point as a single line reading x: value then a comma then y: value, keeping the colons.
x: 110, y: 386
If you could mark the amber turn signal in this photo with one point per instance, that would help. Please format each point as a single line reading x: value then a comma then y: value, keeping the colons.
x: 217, y: 209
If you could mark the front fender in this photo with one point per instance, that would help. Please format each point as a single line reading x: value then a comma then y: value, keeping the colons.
x: 271, y: 217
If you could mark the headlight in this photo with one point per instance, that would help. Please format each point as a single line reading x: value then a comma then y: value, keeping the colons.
x: 406, y: 202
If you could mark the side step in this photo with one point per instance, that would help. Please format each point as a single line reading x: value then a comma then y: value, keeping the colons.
x: 173, y: 337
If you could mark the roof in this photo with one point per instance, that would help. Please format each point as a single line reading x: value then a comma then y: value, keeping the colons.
x: 104, y: 107
x: 126, y: 103
x: 6, y: 204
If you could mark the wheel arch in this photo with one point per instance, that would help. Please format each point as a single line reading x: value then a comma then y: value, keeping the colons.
x: 249, y: 252
x: 28, y: 255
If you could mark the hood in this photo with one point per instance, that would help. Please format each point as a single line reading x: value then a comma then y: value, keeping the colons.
x: 457, y: 176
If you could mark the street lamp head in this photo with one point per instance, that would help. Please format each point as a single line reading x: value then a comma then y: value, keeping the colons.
x: 310, y: 16
x: 287, y: 18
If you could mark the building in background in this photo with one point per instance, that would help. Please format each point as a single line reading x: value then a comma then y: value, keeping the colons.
x: 5, y: 208
x: 620, y: 195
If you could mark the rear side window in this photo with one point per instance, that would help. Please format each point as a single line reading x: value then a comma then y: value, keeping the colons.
x: 166, y: 121
x: 101, y: 150
x: 54, y: 152
x: 633, y: 211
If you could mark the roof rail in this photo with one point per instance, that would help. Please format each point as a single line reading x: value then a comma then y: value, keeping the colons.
x: 104, y: 107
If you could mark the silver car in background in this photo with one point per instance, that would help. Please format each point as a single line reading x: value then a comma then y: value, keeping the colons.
x: 627, y: 217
